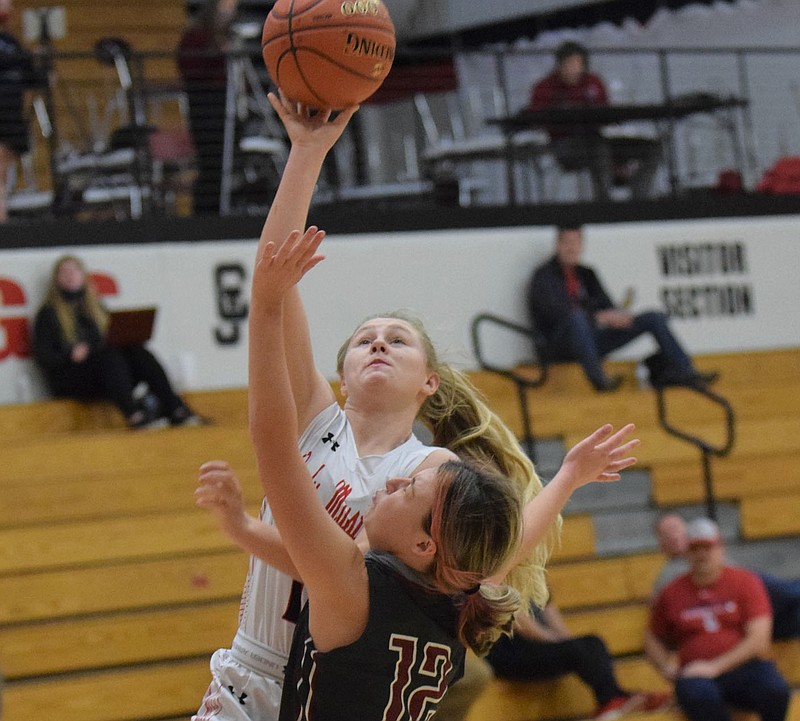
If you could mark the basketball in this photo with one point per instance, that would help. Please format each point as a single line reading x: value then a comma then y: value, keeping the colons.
x: 328, y: 53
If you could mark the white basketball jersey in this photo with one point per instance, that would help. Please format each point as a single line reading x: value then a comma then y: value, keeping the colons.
x: 346, y: 484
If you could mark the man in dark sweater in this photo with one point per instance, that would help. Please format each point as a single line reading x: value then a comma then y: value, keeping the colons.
x: 577, y: 320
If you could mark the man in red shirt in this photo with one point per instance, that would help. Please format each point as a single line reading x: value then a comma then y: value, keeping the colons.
x: 710, y: 632
x: 571, y: 85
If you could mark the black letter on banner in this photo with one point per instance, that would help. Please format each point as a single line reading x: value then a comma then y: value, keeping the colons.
x: 232, y: 309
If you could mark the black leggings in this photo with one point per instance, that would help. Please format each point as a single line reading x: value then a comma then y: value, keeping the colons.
x: 112, y: 374
x: 521, y: 659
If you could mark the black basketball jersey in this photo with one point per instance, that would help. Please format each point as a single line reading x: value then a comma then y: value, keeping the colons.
x: 398, y: 670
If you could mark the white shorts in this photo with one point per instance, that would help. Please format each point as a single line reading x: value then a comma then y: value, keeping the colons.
x: 236, y: 693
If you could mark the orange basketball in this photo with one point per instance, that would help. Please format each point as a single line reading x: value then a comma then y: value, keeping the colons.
x: 328, y: 53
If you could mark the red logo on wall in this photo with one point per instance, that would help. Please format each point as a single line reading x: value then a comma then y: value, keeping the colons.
x: 15, y: 329
x: 105, y: 285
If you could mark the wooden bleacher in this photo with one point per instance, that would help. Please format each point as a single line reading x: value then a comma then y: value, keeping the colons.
x: 609, y: 596
x: 107, y: 570
x: 763, y: 388
x: 111, y: 580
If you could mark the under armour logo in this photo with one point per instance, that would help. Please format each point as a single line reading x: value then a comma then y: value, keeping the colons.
x: 329, y: 439
x: 240, y: 698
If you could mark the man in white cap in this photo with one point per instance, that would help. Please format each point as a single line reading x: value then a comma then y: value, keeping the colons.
x: 784, y: 593
x: 710, y: 632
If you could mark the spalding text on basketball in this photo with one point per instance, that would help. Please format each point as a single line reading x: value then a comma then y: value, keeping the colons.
x: 361, y: 7
x: 365, y: 47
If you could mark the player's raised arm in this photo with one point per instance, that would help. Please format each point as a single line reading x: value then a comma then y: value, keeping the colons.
x: 328, y: 560
x: 311, y: 137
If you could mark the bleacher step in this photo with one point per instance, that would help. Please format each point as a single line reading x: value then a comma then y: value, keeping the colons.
x: 632, y: 530
x: 549, y: 454
x: 778, y: 556
x: 631, y: 491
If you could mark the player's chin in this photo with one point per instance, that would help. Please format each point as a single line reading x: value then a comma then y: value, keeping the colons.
x: 376, y: 376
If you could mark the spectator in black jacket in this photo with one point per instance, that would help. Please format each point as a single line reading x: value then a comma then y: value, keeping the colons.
x: 575, y: 316
x: 69, y: 346
x: 16, y: 74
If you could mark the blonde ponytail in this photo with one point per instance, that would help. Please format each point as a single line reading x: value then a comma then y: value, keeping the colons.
x: 459, y: 419
x: 486, y: 615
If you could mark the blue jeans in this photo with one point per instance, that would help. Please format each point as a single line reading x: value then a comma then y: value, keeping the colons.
x: 755, y: 686
x: 583, y: 341
x: 785, y: 599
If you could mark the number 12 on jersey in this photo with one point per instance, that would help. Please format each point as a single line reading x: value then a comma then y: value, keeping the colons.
x: 416, y: 698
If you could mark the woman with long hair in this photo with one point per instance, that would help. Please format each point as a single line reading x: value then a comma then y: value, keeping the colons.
x: 69, y: 346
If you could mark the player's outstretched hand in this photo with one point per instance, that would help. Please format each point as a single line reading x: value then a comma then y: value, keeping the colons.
x: 220, y: 491
x: 279, y: 269
x: 600, y: 456
x: 308, y: 127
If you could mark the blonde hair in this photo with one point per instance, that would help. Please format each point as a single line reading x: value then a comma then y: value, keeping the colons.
x: 459, y: 419
x: 64, y: 311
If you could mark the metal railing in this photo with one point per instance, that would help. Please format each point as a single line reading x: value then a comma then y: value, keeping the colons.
x: 707, y: 448
x: 537, y: 375
x: 522, y: 382
x: 81, y: 111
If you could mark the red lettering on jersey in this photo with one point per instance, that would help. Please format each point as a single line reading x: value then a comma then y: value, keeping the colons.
x: 16, y: 330
x: 347, y: 519
x: 314, y: 475
x: 353, y: 525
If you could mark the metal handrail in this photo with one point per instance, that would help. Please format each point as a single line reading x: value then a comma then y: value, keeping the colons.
x: 707, y: 449
x: 522, y: 383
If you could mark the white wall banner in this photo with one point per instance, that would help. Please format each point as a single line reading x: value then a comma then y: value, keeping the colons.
x: 729, y: 285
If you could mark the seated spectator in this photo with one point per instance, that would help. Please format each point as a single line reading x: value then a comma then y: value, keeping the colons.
x: 710, y: 632
x: 574, y: 314
x: 784, y: 595
x: 542, y: 647
x: 571, y: 85
x: 69, y: 347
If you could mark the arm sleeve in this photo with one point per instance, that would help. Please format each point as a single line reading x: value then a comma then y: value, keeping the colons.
x: 602, y: 93
x: 50, y: 348
x: 659, y: 624
x: 16, y: 64
x: 541, y: 95
x: 598, y: 298
x: 755, y: 596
